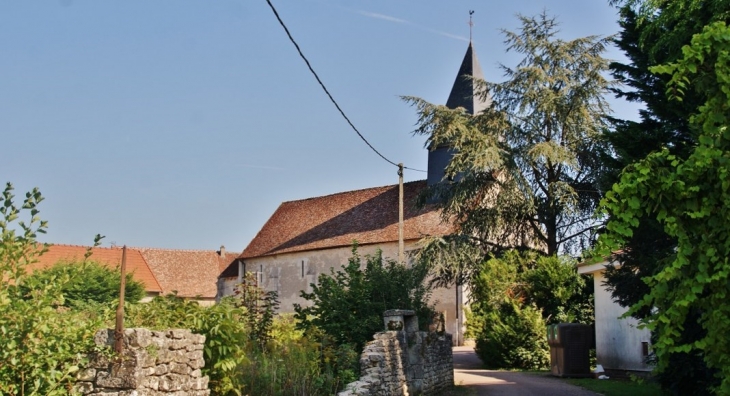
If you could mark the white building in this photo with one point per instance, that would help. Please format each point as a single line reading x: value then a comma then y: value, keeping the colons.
x: 620, y: 343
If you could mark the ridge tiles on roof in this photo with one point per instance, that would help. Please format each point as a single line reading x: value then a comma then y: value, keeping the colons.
x: 368, y: 215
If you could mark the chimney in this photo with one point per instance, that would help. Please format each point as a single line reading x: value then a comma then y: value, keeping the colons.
x: 222, y: 252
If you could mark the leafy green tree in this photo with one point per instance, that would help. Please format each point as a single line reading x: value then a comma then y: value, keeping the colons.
x: 348, y: 305
x: 653, y: 33
x: 88, y: 281
x: 526, y: 171
x: 42, y: 346
x: 689, y: 198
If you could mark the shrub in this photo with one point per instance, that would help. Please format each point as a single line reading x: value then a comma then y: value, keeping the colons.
x: 87, y: 281
x: 513, y: 336
x: 43, y: 344
x: 303, y: 366
x: 514, y: 297
x: 260, y: 307
x: 348, y: 305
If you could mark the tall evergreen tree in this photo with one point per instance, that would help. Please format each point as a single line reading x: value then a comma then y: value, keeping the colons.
x: 525, y: 172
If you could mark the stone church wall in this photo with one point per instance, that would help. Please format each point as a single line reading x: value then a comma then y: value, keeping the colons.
x: 153, y: 363
x: 290, y: 273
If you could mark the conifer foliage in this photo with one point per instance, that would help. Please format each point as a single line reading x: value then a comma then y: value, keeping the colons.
x: 525, y: 172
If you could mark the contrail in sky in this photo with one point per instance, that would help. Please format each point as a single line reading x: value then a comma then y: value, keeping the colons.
x: 403, y: 21
x: 383, y: 17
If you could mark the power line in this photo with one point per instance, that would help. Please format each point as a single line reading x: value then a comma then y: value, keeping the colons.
x: 332, y: 99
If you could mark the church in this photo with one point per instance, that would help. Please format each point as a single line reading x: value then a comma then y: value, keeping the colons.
x: 308, y: 237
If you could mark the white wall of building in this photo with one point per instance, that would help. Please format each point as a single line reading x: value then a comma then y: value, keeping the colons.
x: 619, y: 341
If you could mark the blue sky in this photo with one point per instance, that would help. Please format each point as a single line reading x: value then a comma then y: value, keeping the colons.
x: 184, y: 124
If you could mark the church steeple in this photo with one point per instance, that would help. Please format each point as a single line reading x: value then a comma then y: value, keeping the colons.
x: 462, y: 95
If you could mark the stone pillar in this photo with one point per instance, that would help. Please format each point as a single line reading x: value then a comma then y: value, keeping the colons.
x: 400, y: 320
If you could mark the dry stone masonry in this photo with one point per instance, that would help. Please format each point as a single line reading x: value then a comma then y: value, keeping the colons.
x: 404, y: 361
x: 153, y: 363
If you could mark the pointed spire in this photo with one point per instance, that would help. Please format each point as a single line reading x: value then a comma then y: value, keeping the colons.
x: 463, y: 92
x: 462, y: 95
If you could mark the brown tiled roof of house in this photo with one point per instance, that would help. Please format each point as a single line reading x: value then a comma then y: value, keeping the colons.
x: 190, y: 273
x: 369, y: 216
x: 231, y: 270
x: 111, y: 257
x: 226, y: 260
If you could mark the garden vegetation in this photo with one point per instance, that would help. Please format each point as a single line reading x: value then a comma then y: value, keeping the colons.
x: 48, y: 319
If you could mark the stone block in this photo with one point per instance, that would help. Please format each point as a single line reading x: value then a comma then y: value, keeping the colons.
x: 106, y: 380
x: 196, y: 364
x: 194, y: 355
x: 164, y: 356
x: 86, y: 374
x: 180, y: 368
x: 200, y: 383
x: 83, y: 387
x: 137, y: 337
x: 162, y: 369
x: 198, y: 339
x: 151, y: 382
x: 177, y: 334
x: 141, y: 357
x: 170, y: 382
x: 104, y: 337
x: 180, y: 344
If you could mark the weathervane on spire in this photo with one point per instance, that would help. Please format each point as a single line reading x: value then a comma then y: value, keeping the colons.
x: 471, y: 24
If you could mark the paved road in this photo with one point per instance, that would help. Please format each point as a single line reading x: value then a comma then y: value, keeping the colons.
x: 468, y: 372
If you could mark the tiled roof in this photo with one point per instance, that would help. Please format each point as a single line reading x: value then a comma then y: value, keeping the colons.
x: 110, y: 257
x: 192, y: 273
x: 229, y: 267
x: 369, y: 216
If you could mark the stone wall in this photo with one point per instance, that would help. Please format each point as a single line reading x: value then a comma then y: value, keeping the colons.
x: 404, y: 361
x: 153, y: 363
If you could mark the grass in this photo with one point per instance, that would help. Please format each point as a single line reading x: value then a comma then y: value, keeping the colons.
x: 617, y: 387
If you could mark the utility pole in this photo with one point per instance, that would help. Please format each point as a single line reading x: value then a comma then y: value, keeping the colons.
x: 119, y: 328
x: 401, y: 247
